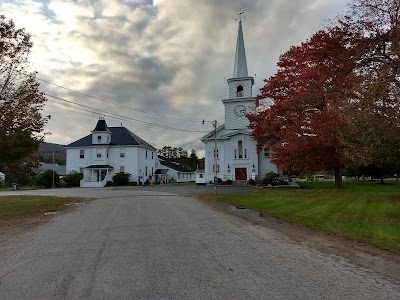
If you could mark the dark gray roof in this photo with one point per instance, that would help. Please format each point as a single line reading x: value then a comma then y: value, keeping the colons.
x: 101, y: 126
x: 161, y: 171
x: 99, y: 167
x: 120, y: 136
x: 175, y: 167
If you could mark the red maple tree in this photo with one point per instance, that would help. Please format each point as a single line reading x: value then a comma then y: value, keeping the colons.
x: 314, y: 82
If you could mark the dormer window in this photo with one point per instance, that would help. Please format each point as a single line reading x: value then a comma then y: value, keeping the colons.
x: 239, y: 91
x: 99, y: 138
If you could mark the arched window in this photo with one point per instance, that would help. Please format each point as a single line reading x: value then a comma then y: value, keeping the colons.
x: 239, y: 91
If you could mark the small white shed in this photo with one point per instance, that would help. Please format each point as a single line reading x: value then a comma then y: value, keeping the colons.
x: 200, y: 177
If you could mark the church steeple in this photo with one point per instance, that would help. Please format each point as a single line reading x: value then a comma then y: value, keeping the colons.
x: 240, y: 68
x: 240, y: 85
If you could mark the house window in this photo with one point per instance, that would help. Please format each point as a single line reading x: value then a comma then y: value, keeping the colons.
x: 152, y: 155
x: 152, y: 171
x: 99, y: 138
x: 122, y: 153
x: 245, y: 153
x: 146, y: 171
x: 240, y: 149
x: 239, y: 91
x: 235, y: 152
x: 266, y: 152
x: 217, y: 168
x: 81, y: 170
x: 179, y: 175
x: 201, y: 175
x: 146, y: 154
x: 107, y: 152
x: 122, y: 169
x: 98, y: 153
x: 217, y: 153
x: 82, y: 153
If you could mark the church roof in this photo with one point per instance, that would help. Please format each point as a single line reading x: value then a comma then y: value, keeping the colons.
x: 240, y: 68
x: 211, y: 133
x: 225, y: 136
x: 121, y: 136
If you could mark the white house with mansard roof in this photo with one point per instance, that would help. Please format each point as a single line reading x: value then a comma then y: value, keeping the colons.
x: 236, y: 151
x: 110, y: 150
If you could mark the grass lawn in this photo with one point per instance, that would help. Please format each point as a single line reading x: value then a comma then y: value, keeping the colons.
x: 20, y: 207
x: 364, y: 211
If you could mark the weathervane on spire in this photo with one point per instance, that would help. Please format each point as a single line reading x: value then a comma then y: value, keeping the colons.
x: 240, y: 15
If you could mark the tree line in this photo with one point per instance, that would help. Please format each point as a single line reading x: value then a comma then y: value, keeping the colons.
x: 178, y: 154
x: 336, y: 96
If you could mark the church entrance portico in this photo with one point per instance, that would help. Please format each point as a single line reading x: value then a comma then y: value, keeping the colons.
x: 240, y: 173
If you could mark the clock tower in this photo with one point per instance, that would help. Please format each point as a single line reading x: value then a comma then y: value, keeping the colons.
x: 241, y: 99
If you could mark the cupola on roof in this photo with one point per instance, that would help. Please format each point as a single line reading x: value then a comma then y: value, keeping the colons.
x: 101, y: 125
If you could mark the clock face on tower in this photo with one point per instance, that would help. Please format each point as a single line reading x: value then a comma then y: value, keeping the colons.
x: 239, y: 110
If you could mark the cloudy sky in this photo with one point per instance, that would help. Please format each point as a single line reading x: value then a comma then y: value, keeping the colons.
x: 159, y: 67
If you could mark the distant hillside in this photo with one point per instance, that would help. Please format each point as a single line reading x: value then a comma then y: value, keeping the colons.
x: 45, y: 152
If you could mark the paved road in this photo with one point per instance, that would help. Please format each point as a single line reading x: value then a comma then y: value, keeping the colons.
x: 138, y: 244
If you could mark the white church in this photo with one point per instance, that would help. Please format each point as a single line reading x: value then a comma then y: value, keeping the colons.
x: 230, y: 150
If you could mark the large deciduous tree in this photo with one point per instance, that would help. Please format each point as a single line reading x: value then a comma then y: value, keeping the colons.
x: 373, y: 134
x: 21, y: 102
x: 312, y: 83
x: 336, y: 93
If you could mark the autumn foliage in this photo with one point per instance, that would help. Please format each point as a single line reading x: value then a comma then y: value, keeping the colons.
x: 328, y: 88
x: 21, y: 102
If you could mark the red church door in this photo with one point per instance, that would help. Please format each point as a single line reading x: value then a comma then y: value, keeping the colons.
x: 240, y: 174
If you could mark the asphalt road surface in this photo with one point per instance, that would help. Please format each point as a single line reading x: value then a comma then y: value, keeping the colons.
x: 153, y: 244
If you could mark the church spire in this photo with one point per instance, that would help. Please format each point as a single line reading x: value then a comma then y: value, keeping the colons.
x: 240, y: 68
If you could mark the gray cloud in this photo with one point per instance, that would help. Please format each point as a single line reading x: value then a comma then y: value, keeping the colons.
x: 167, y: 57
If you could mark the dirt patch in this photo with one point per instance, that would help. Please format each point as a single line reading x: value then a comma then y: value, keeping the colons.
x: 12, y: 229
x: 379, y: 260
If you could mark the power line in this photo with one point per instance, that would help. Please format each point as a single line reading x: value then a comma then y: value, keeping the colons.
x: 115, y: 103
x: 109, y: 114
x: 108, y: 101
x: 124, y: 117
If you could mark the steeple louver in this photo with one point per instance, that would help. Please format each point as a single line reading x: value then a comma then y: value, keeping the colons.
x: 240, y: 68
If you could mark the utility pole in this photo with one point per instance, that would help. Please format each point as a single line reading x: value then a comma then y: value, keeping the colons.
x: 215, y: 157
x: 53, y: 169
x: 214, y: 123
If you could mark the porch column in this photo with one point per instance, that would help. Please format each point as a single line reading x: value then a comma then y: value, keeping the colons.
x: 92, y: 176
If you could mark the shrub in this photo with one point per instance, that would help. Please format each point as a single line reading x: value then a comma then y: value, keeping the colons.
x: 46, y: 179
x: 121, y: 178
x: 270, y: 178
x: 73, y: 179
x: 229, y: 182
x: 251, y: 182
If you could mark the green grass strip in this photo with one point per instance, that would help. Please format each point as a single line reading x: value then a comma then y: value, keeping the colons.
x: 364, y: 211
